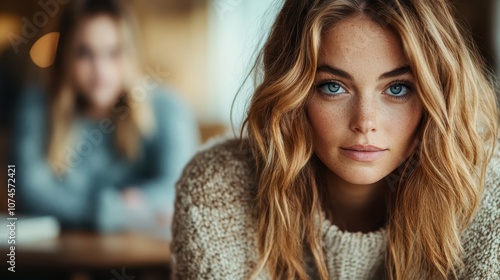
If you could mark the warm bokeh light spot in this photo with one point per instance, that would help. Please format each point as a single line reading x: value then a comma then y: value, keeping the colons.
x: 43, y: 51
x: 8, y: 23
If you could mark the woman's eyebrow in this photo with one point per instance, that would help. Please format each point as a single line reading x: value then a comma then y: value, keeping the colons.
x: 396, y: 72
x: 334, y: 71
x: 341, y: 73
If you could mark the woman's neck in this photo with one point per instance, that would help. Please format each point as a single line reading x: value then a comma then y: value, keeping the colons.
x: 356, y: 208
x: 96, y: 112
x: 93, y: 110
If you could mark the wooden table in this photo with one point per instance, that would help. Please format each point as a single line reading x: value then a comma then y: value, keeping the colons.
x: 84, y: 253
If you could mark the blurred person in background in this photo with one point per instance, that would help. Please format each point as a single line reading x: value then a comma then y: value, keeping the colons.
x: 102, y: 146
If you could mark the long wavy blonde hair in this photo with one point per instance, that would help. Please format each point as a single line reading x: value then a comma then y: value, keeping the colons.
x: 435, y: 199
x: 131, y: 115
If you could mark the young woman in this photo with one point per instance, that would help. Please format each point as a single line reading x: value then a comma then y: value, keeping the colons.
x: 369, y: 154
x: 102, y: 146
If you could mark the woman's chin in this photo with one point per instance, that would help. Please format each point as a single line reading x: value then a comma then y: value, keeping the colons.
x: 362, y: 176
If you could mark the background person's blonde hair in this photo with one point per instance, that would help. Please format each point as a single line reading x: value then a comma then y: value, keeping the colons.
x: 131, y: 115
x: 434, y: 200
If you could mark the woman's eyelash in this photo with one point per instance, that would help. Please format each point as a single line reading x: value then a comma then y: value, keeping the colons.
x: 407, y: 84
x: 321, y: 84
x: 324, y: 83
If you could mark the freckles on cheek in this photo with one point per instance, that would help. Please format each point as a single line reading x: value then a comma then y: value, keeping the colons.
x: 318, y: 118
x: 325, y: 122
x: 401, y: 127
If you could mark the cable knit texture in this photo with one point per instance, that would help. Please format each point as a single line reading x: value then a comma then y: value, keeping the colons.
x: 215, y: 225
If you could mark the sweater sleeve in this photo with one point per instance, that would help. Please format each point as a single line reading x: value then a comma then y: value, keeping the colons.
x: 214, y: 229
x: 176, y: 142
x: 40, y: 192
x: 482, y: 239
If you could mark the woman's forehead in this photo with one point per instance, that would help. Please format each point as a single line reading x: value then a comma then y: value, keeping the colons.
x: 100, y: 31
x: 359, y: 45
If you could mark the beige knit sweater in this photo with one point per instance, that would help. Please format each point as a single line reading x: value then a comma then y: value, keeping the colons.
x: 214, y: 226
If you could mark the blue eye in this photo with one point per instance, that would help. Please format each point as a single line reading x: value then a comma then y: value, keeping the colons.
x: 398, y: 90
x: 331, y: 88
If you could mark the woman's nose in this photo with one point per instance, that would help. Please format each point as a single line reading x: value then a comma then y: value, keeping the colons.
x: 364, y: 115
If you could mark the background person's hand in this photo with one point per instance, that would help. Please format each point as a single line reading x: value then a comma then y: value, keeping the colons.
x: 132, y: 198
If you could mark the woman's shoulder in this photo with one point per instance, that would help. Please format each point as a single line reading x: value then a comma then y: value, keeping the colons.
x: 31, y: 110
x: 214, y: 225
x: 489, y: 211
x: 165, y: 99
x: 482, y: 238
x: 492, y: 183
x: 31, y: 96
x: 222, y: 168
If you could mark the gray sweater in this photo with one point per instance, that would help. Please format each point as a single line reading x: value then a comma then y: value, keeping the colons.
x: 215, y: 226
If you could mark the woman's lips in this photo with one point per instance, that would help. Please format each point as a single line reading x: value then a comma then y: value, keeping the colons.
x: 363, y: 153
